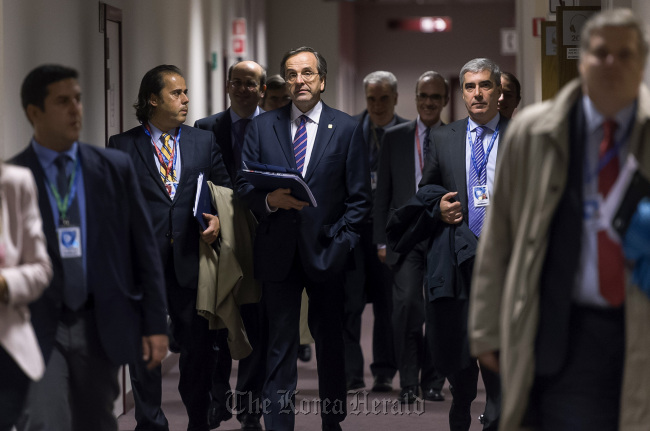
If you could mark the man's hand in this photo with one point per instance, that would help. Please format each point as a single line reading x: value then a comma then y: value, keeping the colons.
x: 381, y: 254
x: 450, y: 212
x: 489, y: 360
x: 210, y: 234
x: 154, y: 349
x: 281, y: 198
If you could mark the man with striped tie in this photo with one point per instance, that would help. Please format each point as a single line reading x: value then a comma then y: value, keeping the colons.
x: 299, y: 245
x: 168, y: 157
x: 462, y: 159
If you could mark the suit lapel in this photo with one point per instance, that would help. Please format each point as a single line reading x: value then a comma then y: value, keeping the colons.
x: 94, y: 177
x: 408, y: 165
x: 144, y: 147
x: 326, y: 128
x: 282, y: 128
x: 458, y: 157
x: 222, y: 129
x: 31, y: 162
x: 187, y: 158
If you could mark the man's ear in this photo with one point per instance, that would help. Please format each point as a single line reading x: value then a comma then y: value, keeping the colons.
x: 153, y: 100
x: 32, y: 112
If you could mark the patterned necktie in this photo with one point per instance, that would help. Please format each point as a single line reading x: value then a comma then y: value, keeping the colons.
x: 375, y: 143
x: 476, y: 214
x: 610, y: 256
x: 239, y: 128
x: 300, y: 143
x: 425, y: 145
x: 166, y: 150
x: 74, y: 286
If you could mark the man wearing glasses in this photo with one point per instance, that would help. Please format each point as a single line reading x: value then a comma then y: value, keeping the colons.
x: 298, y: 245
x: 402, y: 157
x: 246, y: 85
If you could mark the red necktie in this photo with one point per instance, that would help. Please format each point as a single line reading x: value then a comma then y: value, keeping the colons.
x: 610, y: 256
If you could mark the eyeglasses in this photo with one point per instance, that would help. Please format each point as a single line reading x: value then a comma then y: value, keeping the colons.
x: 250, y: 85
x: 307, y: 76
x: 423, y: 97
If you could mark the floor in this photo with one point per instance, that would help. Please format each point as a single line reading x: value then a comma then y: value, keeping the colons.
x: 366, y: 410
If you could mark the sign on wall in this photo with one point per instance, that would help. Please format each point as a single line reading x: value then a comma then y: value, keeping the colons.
x: 238, y: 42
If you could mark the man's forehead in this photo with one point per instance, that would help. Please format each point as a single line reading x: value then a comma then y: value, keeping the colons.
x: 301, y: 60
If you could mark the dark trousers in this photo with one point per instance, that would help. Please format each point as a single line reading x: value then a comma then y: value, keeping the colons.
x: 412, y: 351
x: 13, y: 390
x: 372, y: 279
x: 195, y: 364
x: 282, y: 305
x: 80, y: 384
x: 585, y: 394
x: 251, y: 371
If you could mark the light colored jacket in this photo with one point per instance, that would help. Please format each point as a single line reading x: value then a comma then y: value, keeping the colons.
x: 504, y: 303
x: 26, y: 267
x: 226, y: 278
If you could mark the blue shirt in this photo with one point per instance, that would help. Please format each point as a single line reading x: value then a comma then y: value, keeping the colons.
x: 46, y: 158
x: 492, y: 158
x: 155, y: 136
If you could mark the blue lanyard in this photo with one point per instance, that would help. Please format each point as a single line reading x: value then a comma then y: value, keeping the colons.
x: 487, y: 155
x: 63, y: 204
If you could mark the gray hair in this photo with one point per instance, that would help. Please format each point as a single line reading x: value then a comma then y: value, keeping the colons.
x: 620, y: 17
x: 380, y: 77
x: 478, y: 65
x: 432, y: 75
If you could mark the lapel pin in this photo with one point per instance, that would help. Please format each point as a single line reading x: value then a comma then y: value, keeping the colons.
x: 329, y: 126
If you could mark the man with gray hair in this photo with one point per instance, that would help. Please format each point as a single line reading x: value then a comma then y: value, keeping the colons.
x: 555, y: 307
x: 404, y: 150
x: 370, y: 279
x: 461, y: 163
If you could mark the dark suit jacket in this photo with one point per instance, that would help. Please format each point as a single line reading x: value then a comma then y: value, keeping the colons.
x: 338, y: 177
x: 221, y: 125
x: 173, y: 220
x: 361, y: 118
x: 124, y: 271
x: 445, y: 164
x: 396, y: 180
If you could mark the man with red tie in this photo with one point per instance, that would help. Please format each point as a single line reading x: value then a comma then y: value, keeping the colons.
x: 550, y: 307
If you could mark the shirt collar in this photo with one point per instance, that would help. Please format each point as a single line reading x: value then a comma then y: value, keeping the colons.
x: 595, y: 119
x: 47, y: 156
x: 234, y: 117
x: 313, y: 114
x: 492, y: 124
x: 423, y: 127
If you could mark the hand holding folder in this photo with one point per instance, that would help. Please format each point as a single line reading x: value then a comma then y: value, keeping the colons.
x: 269, y: 178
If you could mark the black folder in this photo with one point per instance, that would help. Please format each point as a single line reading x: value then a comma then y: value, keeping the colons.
x: 270, y: 177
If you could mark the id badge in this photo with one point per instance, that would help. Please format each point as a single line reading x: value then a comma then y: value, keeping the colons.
x: 69, y: 241
x: 373, y: 180
x: 171, y: 188
x: 481, y: 196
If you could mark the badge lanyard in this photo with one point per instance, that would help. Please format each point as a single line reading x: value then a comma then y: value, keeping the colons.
x: 169, y: 166
x: 63, y: 204
x: 487, y: 154
x: 591, y: 174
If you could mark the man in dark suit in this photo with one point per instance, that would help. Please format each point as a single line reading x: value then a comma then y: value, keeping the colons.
x: 462, y: 159
x: 404, y: 150
x: 105, y: 305
x: 169, y: 157
x: 370, y: 278
x: 298, y: 245
x: 246, y: 85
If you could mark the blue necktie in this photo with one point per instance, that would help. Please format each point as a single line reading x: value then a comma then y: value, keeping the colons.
x: 240, y: 132
x: 300, y: 143
x: 477, y: 214
x: 425, y: 146
x: 74, y: 283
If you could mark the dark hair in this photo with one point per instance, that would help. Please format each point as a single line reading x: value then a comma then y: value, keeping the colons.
x: 152, y: 83
x: 34, y: 88
x: 275, y: 82
x: 262, y: 76
x: 510, y: 77
x: 321, y: 63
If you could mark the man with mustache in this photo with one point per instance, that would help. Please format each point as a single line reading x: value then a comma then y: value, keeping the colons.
x: 168, y: 157
x: 462, y: 159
